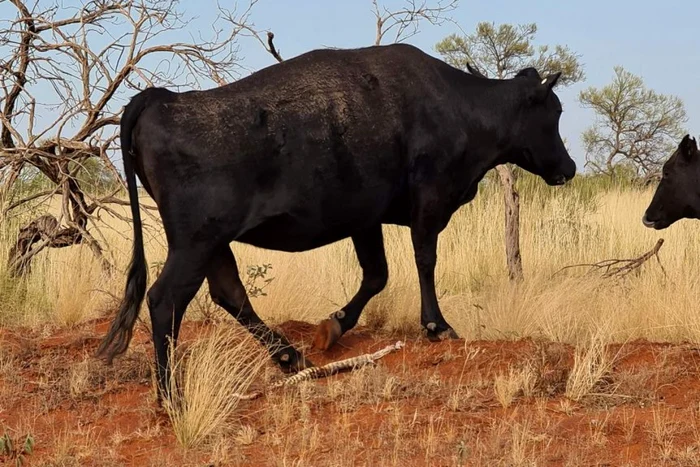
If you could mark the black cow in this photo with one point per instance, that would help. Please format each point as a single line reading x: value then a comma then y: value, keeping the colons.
x: 328, y: 145
x: 678, y: 194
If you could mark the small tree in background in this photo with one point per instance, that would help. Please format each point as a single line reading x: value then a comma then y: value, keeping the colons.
x: 635, y: 127
x: 500, y: 52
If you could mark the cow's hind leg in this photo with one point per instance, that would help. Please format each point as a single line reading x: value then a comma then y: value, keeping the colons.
x: 181, y: 278
x: 369, y: 247
x: 228, y: 292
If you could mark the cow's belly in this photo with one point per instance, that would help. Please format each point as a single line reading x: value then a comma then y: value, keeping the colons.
x: 313, y: 225
x: 285, y: 234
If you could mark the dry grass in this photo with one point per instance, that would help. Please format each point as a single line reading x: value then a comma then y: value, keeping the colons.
x: 663, y: 430
x: 67, y: 286
x: 79, y: 379
x: 204, y: 380
x: 591, y: 364
x: 7, y: 361
x: 513, y: 383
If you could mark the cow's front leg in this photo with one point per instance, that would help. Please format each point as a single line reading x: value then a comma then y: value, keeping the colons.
x: 369, y: 246
x: 426, y: 225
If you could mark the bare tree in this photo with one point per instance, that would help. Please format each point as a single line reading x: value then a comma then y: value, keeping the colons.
x: 634, y: 125
x: 403, y: 21
x: 64, y: 76
x: 501, y: 52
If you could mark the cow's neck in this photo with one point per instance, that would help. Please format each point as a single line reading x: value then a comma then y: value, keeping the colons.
x: 494, y: 124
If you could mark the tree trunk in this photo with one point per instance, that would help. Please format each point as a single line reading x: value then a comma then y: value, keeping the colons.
x: 512, y: 222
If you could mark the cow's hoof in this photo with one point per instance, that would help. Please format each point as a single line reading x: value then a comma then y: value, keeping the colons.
x: 437, y: 336
x: 327, y: 333
x: 291, y: 361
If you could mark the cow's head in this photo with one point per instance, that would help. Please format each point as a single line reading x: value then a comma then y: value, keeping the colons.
x: 678, y: 193
x: 535, y: 142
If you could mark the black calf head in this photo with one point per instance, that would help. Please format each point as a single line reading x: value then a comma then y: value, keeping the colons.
x: 678, y: 194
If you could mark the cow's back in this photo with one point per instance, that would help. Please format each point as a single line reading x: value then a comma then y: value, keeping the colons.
x: 370, y: 91
x: 316, y: 142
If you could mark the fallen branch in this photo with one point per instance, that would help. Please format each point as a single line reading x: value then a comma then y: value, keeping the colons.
x: 327, y: 370
x: 42, y: 232
x: 619, y: 268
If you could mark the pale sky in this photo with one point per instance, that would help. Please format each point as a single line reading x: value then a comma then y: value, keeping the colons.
x: 655, y: 40
x: 659, y: 41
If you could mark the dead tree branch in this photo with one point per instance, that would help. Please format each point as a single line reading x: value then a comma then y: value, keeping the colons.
x: 245, y: 27
x: 404, y: 21
x: 619, y: 268
x: 275, y: 53
x: 85, y: 63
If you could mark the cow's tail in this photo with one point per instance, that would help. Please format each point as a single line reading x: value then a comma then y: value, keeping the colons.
x: 119, y: 335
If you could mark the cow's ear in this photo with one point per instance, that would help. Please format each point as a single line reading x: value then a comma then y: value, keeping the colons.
x: 544, y: 87
x: 688, y: 147
x: 475, y: 71
x: 551, y: 80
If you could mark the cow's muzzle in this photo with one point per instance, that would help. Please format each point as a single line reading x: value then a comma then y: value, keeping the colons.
x: 557, y: 180
x: 648, y: 223
x: 657, y: 224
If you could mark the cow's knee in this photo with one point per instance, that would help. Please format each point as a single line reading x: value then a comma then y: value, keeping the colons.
x: 223, y: 299
x: 376, y: 282
x: 217, y: 297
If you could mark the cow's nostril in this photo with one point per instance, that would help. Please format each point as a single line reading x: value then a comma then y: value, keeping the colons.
x: 559, y: 179
x: 648, y: 222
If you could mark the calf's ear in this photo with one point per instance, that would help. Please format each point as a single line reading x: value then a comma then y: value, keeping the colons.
x: 688, y: 147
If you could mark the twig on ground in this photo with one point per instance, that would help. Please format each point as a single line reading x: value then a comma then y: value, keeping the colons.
x: 327, y: 370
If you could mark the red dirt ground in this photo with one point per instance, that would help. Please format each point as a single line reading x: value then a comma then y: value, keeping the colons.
x: 441, y: 408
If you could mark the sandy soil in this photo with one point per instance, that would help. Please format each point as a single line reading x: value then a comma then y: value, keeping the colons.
x: 428, y: 404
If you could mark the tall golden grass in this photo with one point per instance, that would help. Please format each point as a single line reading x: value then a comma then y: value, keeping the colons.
x: 560, y: 227
x: 205, y: 379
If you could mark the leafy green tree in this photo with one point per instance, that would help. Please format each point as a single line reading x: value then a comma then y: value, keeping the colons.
x: 501, y: 51
x: 635, y: 126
